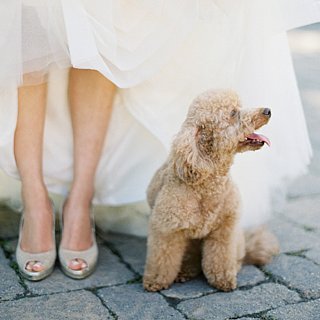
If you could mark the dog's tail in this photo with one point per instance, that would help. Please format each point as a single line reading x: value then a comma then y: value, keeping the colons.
x: 261, y: 246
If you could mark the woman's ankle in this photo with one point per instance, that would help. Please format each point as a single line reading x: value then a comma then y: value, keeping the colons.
x: 35, y: 197
x: 80, y: 197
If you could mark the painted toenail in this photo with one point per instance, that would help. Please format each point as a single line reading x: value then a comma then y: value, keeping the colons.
x: 74, y: 263
x: 37, y: 265
x: 34, y: 266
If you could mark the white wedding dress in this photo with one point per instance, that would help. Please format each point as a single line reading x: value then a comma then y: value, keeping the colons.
x: 161, y: 54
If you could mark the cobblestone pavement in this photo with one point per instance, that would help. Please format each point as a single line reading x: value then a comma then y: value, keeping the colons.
x: 288, y: 288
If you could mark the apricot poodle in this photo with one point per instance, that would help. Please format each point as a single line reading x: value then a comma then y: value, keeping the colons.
x: 195, y: 204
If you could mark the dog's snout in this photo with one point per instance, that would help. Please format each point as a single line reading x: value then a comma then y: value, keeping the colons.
x: 266, y: 112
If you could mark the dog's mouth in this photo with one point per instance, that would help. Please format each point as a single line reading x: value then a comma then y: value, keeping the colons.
x: 255, y: 139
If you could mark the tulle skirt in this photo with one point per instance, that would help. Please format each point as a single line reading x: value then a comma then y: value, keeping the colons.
x: 160, y: 54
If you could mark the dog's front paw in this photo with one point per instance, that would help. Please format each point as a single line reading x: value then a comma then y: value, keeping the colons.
x: 224, y: 281
x: 153, y: 284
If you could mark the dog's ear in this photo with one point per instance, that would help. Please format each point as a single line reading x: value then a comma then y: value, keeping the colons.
x: 190, y: 165
x: 204, y: 140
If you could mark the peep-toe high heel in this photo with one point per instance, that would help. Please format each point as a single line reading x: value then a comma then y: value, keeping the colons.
x: 90, y: 256
x: 47, y: 258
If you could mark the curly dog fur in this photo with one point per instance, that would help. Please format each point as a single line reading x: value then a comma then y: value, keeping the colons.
x: 195, y: 204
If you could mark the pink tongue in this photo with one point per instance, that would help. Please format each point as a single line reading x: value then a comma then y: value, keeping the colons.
x: 259, y: 137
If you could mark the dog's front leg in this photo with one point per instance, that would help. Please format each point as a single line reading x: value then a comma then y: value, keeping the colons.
x: 164, y: 257
x: 219, y: 261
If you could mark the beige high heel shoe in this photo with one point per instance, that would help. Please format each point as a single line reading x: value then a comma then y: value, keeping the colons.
x: 47, y: 259
x: 90, y: 256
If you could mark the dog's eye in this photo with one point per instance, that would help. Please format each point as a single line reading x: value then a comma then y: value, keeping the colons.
x: 234, y: 113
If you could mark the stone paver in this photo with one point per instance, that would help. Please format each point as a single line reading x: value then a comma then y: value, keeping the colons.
x: 314, y: 255
x: 304, y: 211
x: 238, y: 303
x: 133, y: 249
x: 307, y: 185
x: 297, y: 273
x: 301, y: 311
x: 249, y: 276
x: 109, y: 272
x: 76, y: 306
x: 293, y: 238
x: 131, y: 302
x: 9, y: 281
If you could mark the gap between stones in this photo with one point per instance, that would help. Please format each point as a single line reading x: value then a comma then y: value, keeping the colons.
x: 257, y: 315
x: 262, y: 315
x: 95, y: 293
x: 307, y: 229
x: 116, y: 252
x: 278, y: 280
x: 301, y: 254
x: 173, y: 302
x: 13, y: 265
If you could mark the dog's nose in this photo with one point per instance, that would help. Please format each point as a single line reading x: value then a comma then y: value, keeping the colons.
x: 267, y: 112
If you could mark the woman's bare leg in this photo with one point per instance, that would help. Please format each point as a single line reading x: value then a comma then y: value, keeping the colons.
x: 91, y: 98
x: 37, y: 232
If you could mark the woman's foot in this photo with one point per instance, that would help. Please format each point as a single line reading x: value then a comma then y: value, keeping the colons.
x: 77, y: 230
x: 36, y: 232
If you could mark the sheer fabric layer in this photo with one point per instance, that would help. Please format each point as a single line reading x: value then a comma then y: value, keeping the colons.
x: 127, y: 41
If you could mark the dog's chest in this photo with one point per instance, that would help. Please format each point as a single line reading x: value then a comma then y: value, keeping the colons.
x: 205, y: 220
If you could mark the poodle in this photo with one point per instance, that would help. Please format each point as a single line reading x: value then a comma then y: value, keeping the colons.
x: 195, y: 205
